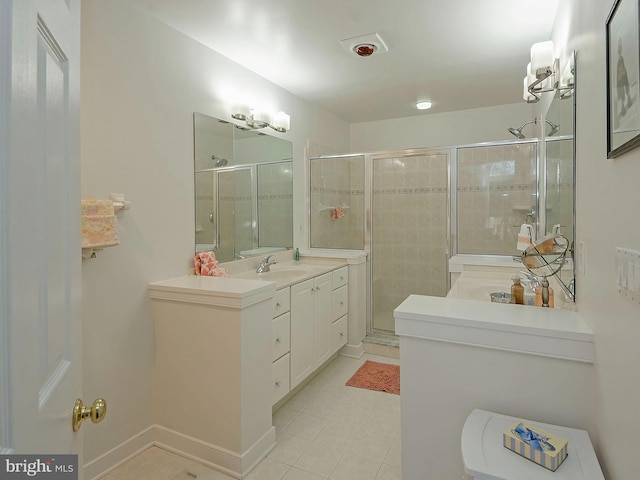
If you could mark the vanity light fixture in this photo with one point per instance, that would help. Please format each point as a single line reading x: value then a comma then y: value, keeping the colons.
x: 255, y: 119
x: 543, y: 74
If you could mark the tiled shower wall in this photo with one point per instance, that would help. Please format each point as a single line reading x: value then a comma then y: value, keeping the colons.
x: 409, y: 232
x: 560, y: 186
x: 495, y: 193
x: 205, y: 229
x: 275, y: 204
x: 236, y: 213
x: 337, y: 182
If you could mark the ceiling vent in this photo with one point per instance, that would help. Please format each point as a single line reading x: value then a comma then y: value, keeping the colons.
x: 365, y: 45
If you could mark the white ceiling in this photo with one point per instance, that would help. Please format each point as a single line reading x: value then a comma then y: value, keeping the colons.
x: 459, y: 54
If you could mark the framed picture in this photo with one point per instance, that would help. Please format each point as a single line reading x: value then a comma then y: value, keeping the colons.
x: 623, y: 78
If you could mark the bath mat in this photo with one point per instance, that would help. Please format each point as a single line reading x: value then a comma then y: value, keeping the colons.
x: 382, y: 377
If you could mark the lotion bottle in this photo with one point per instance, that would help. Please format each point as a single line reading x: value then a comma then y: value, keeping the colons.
x: 517, y: 291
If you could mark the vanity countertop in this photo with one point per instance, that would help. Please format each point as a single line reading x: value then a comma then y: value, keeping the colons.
x: 534, y: 330
x: 479, y: 284
x: 287, y: 273
x: 239, y: 289
x: 206, y: 290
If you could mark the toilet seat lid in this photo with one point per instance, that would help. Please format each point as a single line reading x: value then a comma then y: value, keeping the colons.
x: 485, y: 458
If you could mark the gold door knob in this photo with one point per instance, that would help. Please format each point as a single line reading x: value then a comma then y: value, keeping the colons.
x: 97, y: 412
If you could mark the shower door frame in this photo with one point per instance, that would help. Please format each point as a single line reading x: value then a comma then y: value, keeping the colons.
x: 452, y: 208
x: 368, y: 218
x: 540, y: 218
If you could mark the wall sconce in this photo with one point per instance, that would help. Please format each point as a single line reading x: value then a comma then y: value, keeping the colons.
x: 543, y: 74
x: 255, y: 118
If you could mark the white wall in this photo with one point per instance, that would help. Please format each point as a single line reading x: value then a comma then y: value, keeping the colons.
x: 442, y: 129
x: 141, y: 83
x: 607, y: 216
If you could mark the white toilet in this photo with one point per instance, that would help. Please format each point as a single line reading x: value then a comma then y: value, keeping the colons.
x: 485, y: 458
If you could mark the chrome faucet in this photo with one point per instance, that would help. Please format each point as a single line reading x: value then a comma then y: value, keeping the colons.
x: 265, y: 263
x: 531, y: 279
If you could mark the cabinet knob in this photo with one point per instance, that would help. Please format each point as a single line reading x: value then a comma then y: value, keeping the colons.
x: 341, y: 278
x: 341, y: 304
x: 278, y: 305
x: 278, y: 340
x: 277, y: 383
x: 341, y: 334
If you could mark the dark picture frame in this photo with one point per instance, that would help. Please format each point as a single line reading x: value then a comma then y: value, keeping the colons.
x: 623, y: 77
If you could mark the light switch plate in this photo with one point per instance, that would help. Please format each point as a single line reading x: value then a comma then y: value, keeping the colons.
x: 628, y: 273
x: 582, y: 256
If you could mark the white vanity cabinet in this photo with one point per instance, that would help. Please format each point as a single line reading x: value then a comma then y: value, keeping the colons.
x: 281, y: 342
x: 310, y: 320
x: 318, y: 321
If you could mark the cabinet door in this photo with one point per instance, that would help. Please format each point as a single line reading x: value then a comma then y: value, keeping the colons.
x: 302, y: 330
x: 322, y: 322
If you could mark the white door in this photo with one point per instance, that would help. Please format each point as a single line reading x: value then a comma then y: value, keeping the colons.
x: 40, y: 249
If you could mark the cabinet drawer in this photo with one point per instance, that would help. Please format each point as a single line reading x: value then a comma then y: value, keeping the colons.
x: 281, y: 302
x: 280, y: 378
x: 281, y: 336
x: 340, y: 277
x: 339, y: 302
x: 339, y: 334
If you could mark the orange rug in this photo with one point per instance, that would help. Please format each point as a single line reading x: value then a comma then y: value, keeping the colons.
x: 381, y: 377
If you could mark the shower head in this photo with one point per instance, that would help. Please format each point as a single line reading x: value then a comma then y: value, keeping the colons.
x: 220, y: 162
x: 516, y: 132
x: 555, y: 128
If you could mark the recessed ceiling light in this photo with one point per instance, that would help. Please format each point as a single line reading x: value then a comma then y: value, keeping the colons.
x: 423, y: 105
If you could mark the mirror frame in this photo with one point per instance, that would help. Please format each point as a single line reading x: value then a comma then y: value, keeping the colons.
x: 568, y: 287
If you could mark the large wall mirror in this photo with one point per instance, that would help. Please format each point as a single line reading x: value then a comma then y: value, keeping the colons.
x: 243, y: 190
x: 560, y: 176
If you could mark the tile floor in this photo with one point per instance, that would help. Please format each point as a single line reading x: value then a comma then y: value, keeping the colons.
x: 326, y: 431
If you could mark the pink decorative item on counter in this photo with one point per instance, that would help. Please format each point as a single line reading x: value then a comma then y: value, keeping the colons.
x: 207, y: 265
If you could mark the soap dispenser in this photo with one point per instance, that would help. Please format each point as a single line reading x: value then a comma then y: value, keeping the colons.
x: 517, y: 291
x: 529, y: 295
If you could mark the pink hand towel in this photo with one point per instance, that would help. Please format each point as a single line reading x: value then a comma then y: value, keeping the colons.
x: 207, y: 265
x: 99, y: 224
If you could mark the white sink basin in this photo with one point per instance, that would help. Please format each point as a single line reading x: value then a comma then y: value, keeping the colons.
x: 282, y: 276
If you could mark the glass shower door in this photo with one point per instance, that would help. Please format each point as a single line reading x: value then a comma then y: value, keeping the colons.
x: 409, y: 232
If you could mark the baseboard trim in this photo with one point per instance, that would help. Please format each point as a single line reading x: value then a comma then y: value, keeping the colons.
x: 353, y: 351
x: 118, y: 455
x: 223, y: 460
